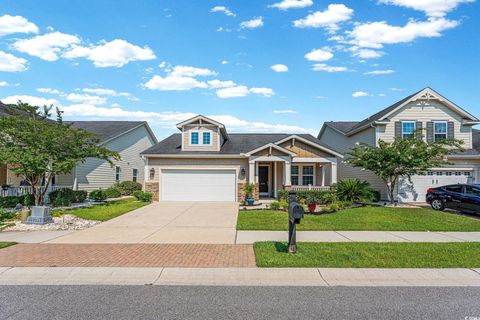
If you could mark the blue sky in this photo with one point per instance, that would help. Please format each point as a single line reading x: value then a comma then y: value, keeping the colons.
x: 256, y: 66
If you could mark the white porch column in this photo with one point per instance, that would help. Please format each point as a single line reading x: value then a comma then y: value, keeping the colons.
x: 274, y: 179
x: 287, y: 172
x: 323, y: 175
x: 256, y: 172
x: 251, y: 172
x: 334, y: 172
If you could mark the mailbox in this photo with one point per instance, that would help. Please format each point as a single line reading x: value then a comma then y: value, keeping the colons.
x: 295, y: 212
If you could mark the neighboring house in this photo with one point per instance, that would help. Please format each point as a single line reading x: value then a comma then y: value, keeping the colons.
x: 427, y: 110
x: 206, y: 163
x: 128, y: 138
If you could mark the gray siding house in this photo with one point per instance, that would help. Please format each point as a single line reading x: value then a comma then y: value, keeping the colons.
x: 425, y: 110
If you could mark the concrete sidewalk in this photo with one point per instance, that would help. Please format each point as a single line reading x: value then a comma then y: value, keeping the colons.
x: 249, y: 237
x: 31, y: 236
x: 239, y: 276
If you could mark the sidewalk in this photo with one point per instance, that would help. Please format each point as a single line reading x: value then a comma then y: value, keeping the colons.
x: 239, y: 276
x: 249, y: 237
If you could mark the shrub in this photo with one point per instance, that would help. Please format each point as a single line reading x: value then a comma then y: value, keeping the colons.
x: 248, y: 190
x: 282, y: 195
x: 80, y: 196
x: 274, y: 205
x: 376, y: 196
x: 98, y: 195
x: 317, y: 196
x: 354, y: 190
x: 143, y: 196
x: 113, y: 192
x: 12, y: 201
x: 128, y: 187
x: 283, y: 204
x: 62, y: 197
x: 7, y: 215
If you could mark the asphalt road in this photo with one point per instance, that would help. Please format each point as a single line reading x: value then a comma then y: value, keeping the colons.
x: 157, y: 302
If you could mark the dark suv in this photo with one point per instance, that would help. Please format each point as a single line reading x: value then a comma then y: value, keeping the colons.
x: 461, y: 197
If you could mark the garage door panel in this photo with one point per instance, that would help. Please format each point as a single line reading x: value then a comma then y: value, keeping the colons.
x: 198, y: 185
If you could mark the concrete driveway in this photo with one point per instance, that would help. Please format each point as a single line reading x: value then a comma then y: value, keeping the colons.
x: 165, y: 222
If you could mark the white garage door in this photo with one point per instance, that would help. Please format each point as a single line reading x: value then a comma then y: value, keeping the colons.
x: 416, y: 191
x: 198, y: 185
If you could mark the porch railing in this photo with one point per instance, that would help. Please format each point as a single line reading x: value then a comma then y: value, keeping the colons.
x: 310, y: 187
x: 20, y: 191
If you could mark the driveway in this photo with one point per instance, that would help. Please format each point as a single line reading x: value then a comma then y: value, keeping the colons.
x: 165, y: 222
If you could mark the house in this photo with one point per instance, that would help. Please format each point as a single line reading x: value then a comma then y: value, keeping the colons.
x: 128, y: 138
x: 206, y: 163
x: 425, y: 110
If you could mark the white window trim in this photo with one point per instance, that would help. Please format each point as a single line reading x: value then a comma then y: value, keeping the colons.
x: 300, y: 173
x: 446, y: 126
x: 200, y: 138
x: 119, y: 173
x: 134, y: 176
x: 414, y: 127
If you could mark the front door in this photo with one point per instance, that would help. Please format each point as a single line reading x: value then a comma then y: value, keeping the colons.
x: 263, y: 180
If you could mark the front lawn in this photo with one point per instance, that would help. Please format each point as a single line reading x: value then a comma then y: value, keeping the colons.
x: 110, y: 210
x: 6, y: 244
x: 369, y: 255
x: 365, y: 218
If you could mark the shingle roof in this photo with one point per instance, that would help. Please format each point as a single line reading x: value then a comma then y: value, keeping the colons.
x: 236, y: 144
x: 106, y: 130
x: 343, y: 126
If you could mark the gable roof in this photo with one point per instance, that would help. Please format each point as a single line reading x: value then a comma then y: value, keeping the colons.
x: 350, y: 127
x: 201, y: 119
x: 108, y: 130
x: 237, y: 144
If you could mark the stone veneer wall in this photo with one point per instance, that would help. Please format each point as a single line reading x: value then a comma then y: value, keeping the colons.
x: 153, y: 187
x: 241, y: 196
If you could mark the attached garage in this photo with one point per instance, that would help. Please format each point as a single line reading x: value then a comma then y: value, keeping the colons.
x: 198, y: 185
x: 416, y: 191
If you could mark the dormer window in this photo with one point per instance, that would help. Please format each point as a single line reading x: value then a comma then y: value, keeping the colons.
x: 206, y: 138
x: 194, y: 138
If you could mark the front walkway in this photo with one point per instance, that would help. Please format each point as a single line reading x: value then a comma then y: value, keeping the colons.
x: 165, y: 222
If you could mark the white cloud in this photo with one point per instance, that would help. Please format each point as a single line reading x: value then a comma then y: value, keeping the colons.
x: 34, y: 101
x: 49, y: 90
x: 47, y: 46
x: 289, y: 4
x: 327, y: 68
x: 223, y: 9
x: 288, y: 111
x: 233, y: 92
x: 279, y: 68
x: 432, y: 8
x: 109, y: 92
x: 224, y: 62
x: 173, y: 83
x: 238, y: 125
x: 358, y: 94
x: 328, y: 19
x: 4, y: 84
x: 85, y: 98
x: 319, y: 55
x: 220, y: 84
x: 376, y: 34
x: 380, y: 72
x: 397, y: 89
x: 253, y: 23
x: 16, y: 24
x: 115, y: 53
x: 10, y: 63
x: 266, y: 92
x: 188, y: 71
x: 365, y: 53
x: 321, y: 97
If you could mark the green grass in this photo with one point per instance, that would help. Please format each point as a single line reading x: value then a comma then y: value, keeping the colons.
x: 365, y: 218
x: 369, y: 255
x: 6, y: 244
x: 110, y: 210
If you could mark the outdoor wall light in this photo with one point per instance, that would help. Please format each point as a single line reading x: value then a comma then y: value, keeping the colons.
x: 242, y: 171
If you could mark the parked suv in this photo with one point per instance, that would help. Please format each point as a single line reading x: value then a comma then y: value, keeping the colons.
x: 461, y: 197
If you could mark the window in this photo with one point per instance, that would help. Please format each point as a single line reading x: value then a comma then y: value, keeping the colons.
x: 152, y: 174
x: 457, y: 189
x: 458, y: 173
x: 134, y: 175
x: 206, y: 138
x: 448, y: 173
x: 294, y: 175
x: 439, y: 173
x: 430, y: 173
x: 470, y: 190
x: 117, y: 173
x: 307, y: 175
x: 194, y: 138
x: 408, y: 129
x: 440, y: 131
x: 467, y: 173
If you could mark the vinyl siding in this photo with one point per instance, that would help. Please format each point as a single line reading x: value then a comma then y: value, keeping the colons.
x: 95, y: 173
x: 214, y: 136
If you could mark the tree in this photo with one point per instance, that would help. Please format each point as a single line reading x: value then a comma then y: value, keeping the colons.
x: 38, y: 148
x: 402, y: 157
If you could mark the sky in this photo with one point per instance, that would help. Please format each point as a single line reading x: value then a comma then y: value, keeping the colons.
x: 256, y: 66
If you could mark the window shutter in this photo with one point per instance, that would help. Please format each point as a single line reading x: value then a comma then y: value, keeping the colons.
x: 418, y: 130
x: 451, y: 130
x: 429, y: 132
x: 398, y: 129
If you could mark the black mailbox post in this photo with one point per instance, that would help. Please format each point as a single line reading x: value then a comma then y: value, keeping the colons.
x: 295, y: 214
